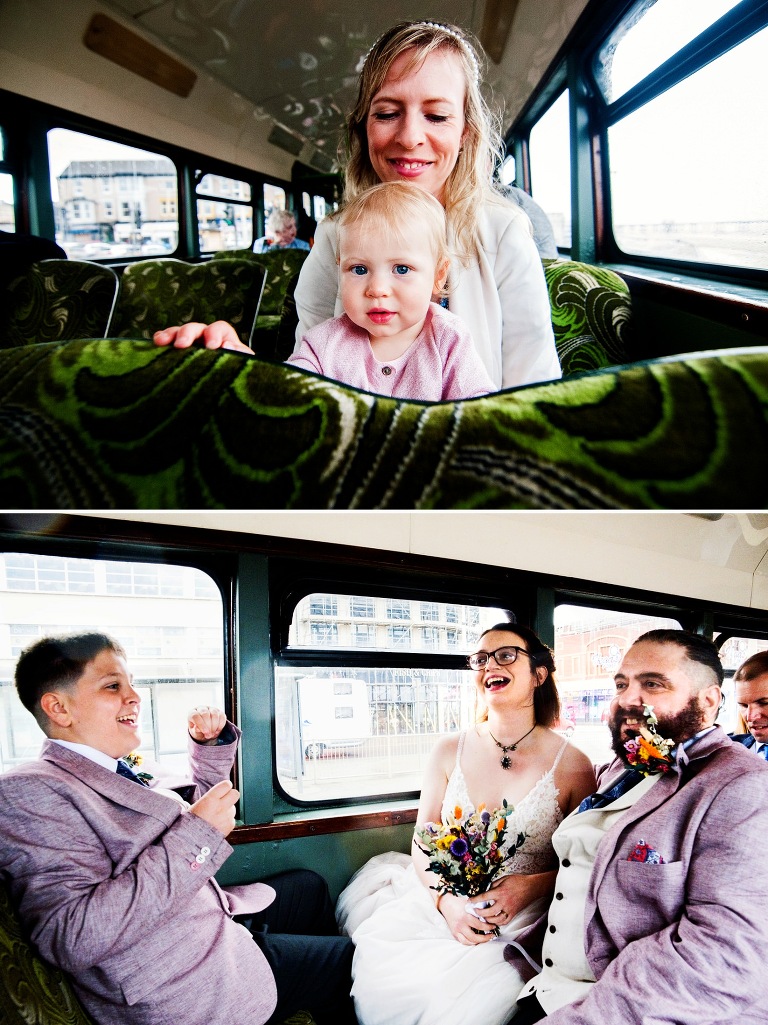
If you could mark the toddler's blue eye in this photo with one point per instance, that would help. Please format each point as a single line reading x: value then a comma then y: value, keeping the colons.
x: 359, y: 270
x: 401, y: 268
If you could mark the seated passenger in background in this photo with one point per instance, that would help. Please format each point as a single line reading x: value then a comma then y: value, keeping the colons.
x: 392, y: 339
x: 751, y: 689
x: 17, y: 252
x: 425, y: 955
x: 281, y: 234
x: 659, y: 898
x: 113, y: 875
x: 543, y: 232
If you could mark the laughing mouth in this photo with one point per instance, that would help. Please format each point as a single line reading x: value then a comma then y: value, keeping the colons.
x: 495, y: 681
x: 409, y: 165
x: 128, y: 720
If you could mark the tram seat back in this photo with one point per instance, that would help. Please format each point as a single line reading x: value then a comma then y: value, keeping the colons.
x: 271, y: 329
x: 591, y: 315
x: 157, y: 293
x: 55, y: 300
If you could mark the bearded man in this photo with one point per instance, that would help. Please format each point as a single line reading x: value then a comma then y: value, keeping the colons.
x: 659, y: 915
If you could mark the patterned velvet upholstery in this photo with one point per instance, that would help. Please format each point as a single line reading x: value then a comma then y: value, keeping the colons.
x: 123, y: 424
x: 31, y: 991
x: 55, y: 300
x: 34, y: 993
x: 591, y: 315
x: 157, y: 293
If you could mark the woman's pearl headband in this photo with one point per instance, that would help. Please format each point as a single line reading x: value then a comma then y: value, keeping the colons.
x: 446, y: 30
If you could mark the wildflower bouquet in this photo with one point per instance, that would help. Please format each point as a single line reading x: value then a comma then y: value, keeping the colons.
x: 649, y: 752
x: 466, y: 853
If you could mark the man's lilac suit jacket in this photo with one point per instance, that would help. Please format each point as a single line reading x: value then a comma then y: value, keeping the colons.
x: 683, y: 942
x: 113, y: 885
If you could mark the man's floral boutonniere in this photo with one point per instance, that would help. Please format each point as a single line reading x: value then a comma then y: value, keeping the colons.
x: 467, y: 853
x: 649, y: 753
x: 134, y: 759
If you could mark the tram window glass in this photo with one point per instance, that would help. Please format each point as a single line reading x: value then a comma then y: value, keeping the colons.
x: 507, y: 170
x: 668, y: 199
x: 590, y: 644
x: 224, y: 213
x: 168, y: 618
x: 643, y: 43
x: 7, y: 216
x: 733, y: 652
x: 550, y: 157
x: 274, y: 199
x: 110, y: 199
x: 345, y: 729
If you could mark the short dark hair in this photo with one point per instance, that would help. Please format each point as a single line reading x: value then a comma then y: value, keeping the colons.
x: 698, y: 648
x: 57, y: 662
x: 546, y: 699
x: 755, y: 665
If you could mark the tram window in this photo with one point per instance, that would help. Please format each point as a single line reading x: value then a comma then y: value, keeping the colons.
x: 168, y: 618
x: 507, y: 170
x: 7, y: 216
x: 111, y: 200
x: 667, y: 198
x: 550, y: 160
x: 274, y: 199
x: 224, y: 213
x: 350, y: 727
x: 644, y: 42
x: 589, y: 646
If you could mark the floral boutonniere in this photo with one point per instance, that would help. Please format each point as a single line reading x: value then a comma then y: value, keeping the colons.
x: 649, y: 752
x: 134, y: 760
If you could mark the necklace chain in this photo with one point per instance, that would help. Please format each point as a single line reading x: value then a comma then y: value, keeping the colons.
x: 506, y: 761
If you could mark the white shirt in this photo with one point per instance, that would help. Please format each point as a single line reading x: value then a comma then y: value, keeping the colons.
x: 90, y: 752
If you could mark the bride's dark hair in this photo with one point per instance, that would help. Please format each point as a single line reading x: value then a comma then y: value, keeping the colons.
x: 546, y: 700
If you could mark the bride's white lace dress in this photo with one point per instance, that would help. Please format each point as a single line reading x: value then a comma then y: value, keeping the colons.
x: 408, y: 969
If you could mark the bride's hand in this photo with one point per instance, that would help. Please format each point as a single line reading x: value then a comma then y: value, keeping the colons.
x: 513, y: 893
x: 466, y: 928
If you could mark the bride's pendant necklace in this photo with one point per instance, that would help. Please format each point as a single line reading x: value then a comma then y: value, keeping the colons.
x: 506, y: 761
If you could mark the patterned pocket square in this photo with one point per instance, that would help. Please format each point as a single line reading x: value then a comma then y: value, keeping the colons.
x: 644, y: 852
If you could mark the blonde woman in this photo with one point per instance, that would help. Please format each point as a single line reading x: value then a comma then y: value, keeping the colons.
x: 420, y: 117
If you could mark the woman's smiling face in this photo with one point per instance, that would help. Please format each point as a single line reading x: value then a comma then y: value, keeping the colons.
x: 415, y: 125
x: 517, y: 678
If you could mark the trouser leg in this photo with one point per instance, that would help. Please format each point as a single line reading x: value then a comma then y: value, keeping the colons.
x: 311, y: 963
x: 528, y: 1012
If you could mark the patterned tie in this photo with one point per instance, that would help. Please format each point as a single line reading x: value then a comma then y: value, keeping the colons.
x: 123, y: 769
x: 624, y: 783
x: 764, y: 751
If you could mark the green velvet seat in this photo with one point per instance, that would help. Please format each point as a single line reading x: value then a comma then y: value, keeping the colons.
x: 55, y: 300
x: 282, y: 267
x: 123, y: 424
x: 157, y: 293
x: 591, y: 315
x: 32, y: 992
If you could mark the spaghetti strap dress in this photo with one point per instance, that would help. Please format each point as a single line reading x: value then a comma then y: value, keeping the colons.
x: 408, y: 969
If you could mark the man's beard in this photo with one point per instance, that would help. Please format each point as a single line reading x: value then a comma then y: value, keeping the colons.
x: 678, y: 727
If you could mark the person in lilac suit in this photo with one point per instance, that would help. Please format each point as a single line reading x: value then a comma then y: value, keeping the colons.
x: 659, y: 910
x: 113, y: 874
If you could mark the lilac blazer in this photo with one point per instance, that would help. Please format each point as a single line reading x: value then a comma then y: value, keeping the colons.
x: 683, y: 942
x: 114, y: 884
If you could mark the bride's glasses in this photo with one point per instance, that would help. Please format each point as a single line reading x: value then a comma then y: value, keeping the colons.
x: 502, y: 656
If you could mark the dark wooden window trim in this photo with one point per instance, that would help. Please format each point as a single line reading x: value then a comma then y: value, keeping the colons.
x: 291, y: 829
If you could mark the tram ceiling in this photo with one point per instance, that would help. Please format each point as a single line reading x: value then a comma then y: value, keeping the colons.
x: 298, y: 64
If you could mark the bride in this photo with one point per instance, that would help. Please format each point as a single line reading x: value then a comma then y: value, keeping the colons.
x: 424, y: 956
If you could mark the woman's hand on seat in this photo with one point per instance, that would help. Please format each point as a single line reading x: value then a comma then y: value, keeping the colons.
x: 219, y: 335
